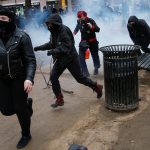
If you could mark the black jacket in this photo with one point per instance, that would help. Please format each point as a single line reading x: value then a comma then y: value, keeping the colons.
x: 17, y: 57
x: 87, y: 33
x: 62, y: 42
x: 140, y: 33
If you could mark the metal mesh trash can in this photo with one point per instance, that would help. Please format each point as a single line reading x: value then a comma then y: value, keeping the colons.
x: 121, y: 76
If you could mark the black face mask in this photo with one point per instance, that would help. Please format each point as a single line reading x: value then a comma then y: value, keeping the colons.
x: 132, y: 25
x: 53, y: 28
x: 6, y: 27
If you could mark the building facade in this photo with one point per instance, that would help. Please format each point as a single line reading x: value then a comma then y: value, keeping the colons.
x: 19, y: 5
x: 22, y: 2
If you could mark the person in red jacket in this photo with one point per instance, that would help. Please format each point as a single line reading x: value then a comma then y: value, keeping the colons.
x: 88, y: 29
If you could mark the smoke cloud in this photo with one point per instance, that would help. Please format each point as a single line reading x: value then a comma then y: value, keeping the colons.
x: 110, y: 17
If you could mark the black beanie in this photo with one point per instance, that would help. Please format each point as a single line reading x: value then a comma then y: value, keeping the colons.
x: 55, y: 19
x: 7, y: 12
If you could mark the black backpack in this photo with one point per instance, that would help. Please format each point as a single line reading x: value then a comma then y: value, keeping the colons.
x: 77, y: 147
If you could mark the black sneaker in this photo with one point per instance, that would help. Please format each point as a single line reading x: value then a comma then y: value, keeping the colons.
x: 29, y: 103
x: 23, y: 141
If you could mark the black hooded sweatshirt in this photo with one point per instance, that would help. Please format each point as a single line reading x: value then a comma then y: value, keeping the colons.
x: 61, y: 41
x: 140, y: 32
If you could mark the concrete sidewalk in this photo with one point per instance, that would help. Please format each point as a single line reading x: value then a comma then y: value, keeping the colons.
x: 135, y: 134
x: 82, y: 120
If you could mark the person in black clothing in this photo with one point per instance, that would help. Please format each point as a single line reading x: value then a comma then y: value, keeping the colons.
x: 139, y: 32
x: 87, y: 27
x: 61, y: 47
x: 17, y: 70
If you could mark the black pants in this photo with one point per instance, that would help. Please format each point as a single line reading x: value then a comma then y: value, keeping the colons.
x: 94, y: 53
x: 75, y: 70
x: 13, y: 98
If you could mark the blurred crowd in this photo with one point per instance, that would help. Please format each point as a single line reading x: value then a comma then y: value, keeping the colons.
x: 36, y: 16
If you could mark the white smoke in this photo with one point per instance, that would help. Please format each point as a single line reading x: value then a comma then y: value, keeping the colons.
x: 110, y: 17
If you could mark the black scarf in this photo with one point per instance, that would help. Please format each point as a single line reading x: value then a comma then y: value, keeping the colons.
x: 6, y: 30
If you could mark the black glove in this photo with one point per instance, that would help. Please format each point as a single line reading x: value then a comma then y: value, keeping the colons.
x: 50, y: 52
x: 36, y: 48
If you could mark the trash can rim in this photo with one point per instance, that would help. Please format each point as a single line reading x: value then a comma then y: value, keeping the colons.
x: 134, y: 47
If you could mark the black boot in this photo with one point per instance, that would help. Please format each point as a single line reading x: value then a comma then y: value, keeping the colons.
x: 98, y: 89
x: 59, y: 101
x: 23, y: 141
x: 29, y: 103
